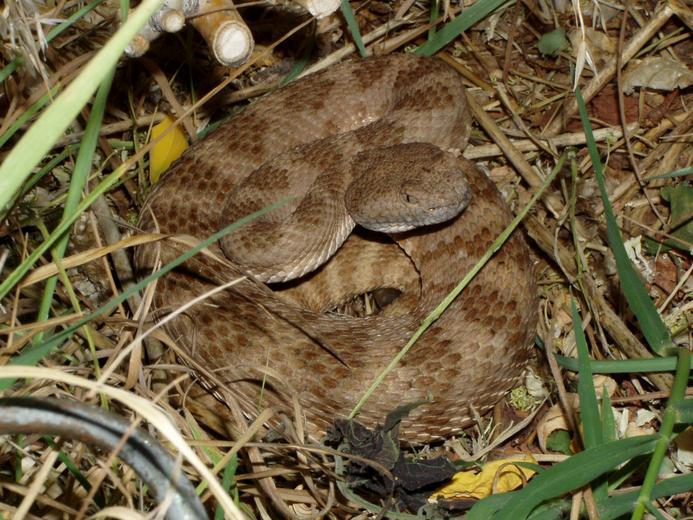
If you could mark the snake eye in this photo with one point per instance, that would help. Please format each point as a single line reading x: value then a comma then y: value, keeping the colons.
x: 411, y: 199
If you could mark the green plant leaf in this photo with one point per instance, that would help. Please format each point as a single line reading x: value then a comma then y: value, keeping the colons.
x: 574, y: 473
x: 666, y: 434
x: 651, y: 323
x: 78, y: 181
x: 443, y: 305
x: 451, y: 30
x: 559, y: 440
x: 592, y: 433
x: 53, y: 33
x: 683, y: 172
x: 28, y: 114
x: 353, y: 26
x: 551, y: 43
x: 41, y: 136
x: 684, y: 411
x: 433, y: 18
x: 680, y: 199
x: 621, y: 505
x: 33, y: 355
x: 589, y: 408
x: 228, y: 481
x: 624, y: 366
x: 609, y: 431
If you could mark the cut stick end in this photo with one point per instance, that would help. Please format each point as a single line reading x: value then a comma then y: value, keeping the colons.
x: 233, y: 44
x: 320, y: 8
x: 172, y: 20
x: 137, y: 47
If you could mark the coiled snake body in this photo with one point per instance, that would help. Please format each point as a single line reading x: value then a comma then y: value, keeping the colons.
x: 390, y: 119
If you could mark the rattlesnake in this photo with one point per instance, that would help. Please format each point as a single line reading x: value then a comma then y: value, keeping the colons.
x: 353, y: 117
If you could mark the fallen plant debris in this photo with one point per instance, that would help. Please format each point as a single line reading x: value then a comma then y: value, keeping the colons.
x: 409, y: 482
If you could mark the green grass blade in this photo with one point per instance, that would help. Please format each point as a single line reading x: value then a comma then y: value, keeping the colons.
x: 553, y: 511
x: 600, y: 488
x: 28, y: 114
x: 655, y: 512
x: 486, y: 508
x: 55, y: 161
x: 589, y: 407
x: 684, y: 411
x: 300, y: 63
x: 433, y: 19
x: 61, y: 27
x: 490, y: 505
x: 639, y: 301
x: 353, y: 26
x: 73, y: 468
x: 451, y: 30
x: 15, y: 276
x: 683, y: 172
x: 228, y: 480
x: 440, y: 309
x: 53, y: 33
x: 625, y: 366
x: 608, y: 419
x: 574, y: 473
x: 10, y: 68
x: 33, y: 355
x: 619, y: 506
x: 78, y: 181
x: 41, y: 136
x: 666, y: 431
x: 592, y: 432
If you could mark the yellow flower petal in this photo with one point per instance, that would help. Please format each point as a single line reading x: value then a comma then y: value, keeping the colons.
x: 170, y: 148
x: 498, y: 476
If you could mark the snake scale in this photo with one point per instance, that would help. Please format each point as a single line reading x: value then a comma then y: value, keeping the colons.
x: 392, y: 123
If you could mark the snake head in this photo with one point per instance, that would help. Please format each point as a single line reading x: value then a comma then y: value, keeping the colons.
x: 405, y: 186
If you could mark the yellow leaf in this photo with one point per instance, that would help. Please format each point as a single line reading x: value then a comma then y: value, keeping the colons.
x: 170, y: 148
x: 498, y: 476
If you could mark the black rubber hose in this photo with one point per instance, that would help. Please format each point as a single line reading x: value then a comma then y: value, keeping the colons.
x: 92, y: 425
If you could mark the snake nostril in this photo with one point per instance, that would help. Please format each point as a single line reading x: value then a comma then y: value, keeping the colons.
x: 411, y: 199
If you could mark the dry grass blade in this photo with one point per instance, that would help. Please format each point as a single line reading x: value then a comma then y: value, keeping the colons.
x: 142, y: 407
x: 84, y: 257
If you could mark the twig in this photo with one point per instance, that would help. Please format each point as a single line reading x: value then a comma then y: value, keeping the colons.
x: 224, y: 31
x: 559, y: 141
